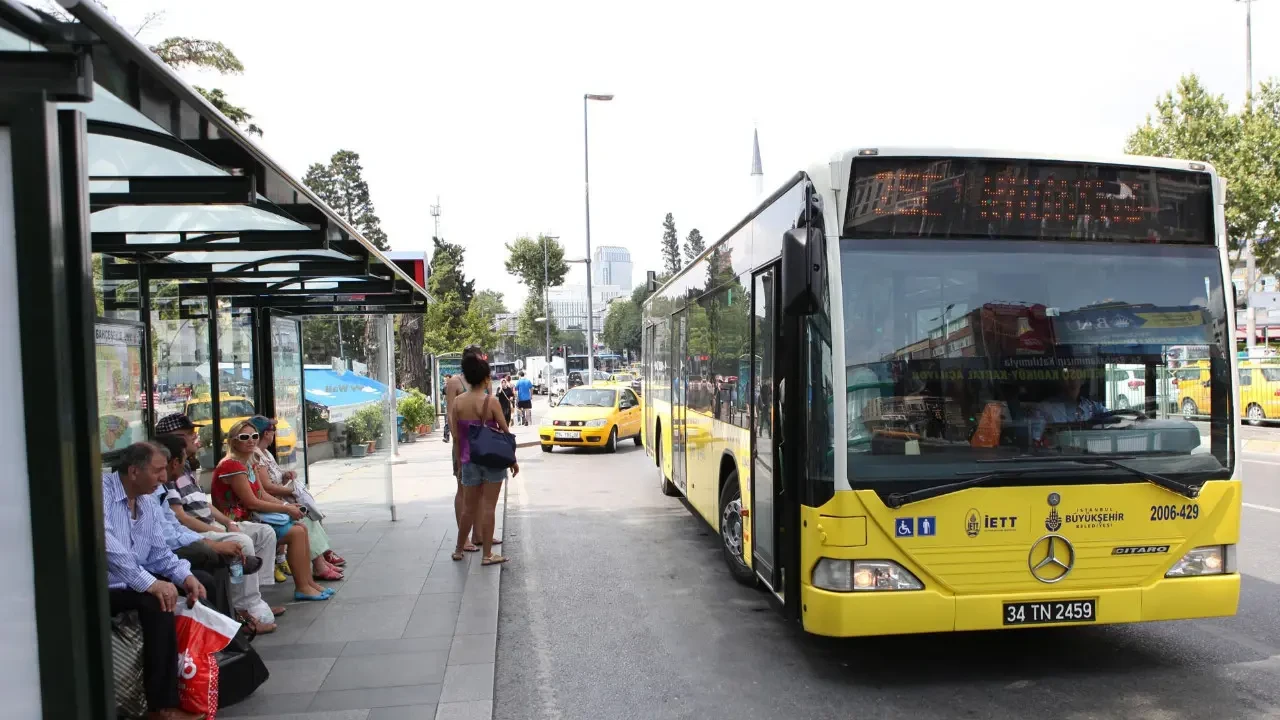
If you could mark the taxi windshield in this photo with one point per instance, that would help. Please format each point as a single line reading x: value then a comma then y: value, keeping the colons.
x: 587, y: 397
x: 959, y: 352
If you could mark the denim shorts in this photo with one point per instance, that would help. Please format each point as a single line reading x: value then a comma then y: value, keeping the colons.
x: 474, y: 475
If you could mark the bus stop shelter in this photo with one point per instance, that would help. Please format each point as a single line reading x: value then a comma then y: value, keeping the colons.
x: 153, y: 259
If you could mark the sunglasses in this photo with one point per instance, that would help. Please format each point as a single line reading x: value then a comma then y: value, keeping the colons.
x: 246, y: 437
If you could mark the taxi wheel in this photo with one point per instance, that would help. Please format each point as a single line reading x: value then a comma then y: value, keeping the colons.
x: 612, y: 445
x: 639, y: 440
x: 546, y: 448
x: 731, y: 529
x: 1255, y: 414
x: 1189, y: 407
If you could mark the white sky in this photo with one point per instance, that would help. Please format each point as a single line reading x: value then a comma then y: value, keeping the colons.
x: 481, y: 103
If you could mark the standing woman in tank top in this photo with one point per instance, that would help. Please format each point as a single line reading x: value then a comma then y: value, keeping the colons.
x: 481, y: 486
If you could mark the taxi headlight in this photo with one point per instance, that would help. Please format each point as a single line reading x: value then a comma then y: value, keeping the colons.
x: 863, y: 575
x: 1208, y: 560
x: 596, y: 423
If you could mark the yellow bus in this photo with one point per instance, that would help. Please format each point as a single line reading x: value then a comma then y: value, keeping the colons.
x: 974, y: 305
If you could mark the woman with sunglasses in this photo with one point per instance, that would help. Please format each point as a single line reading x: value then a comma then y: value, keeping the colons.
x: 279, y: 483
x: 238, y: 494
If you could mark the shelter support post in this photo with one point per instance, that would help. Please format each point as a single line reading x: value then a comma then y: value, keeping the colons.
x: 392, y: 413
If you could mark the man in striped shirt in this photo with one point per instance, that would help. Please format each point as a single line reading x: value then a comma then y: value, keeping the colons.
x: 142, y: 571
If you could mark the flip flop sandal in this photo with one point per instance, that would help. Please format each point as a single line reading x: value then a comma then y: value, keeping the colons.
x: 471, y: 548
x: 494, y: 559
x: 313, y: 598
x: 457, y: 556
x: 278, y: 611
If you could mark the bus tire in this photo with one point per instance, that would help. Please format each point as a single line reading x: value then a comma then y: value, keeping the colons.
x: 731, y: 531
x: 611, y: 446
x: 668, y: 488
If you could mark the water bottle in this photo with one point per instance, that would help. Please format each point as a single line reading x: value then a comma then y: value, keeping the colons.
x: 237, y: 572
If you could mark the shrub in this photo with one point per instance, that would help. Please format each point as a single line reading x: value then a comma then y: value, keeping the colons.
x: 372, y: 420
x: 415, y: 409
x: 317, y: 417
x: 357, y: 429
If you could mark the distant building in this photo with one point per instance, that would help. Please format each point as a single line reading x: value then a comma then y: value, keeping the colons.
x: 611, y: 265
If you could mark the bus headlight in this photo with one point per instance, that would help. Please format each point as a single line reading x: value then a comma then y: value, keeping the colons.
x: 863, y: 575
x: 598, y: 422
x: 1208, y: 560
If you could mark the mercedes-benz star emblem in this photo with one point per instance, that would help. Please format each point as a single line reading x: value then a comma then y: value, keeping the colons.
x: 1051, y: 558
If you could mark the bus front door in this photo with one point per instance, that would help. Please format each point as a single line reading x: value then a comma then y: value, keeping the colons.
x: 680, y: 370
x: 764, y: 483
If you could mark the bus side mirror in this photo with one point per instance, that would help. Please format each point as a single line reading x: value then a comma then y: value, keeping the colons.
x: 802, y: 259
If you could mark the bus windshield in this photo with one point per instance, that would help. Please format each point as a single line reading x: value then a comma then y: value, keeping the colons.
x: 964, y: 351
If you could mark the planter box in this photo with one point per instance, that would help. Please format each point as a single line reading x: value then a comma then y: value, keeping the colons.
x: 358, y: 451
x: 315, y: 437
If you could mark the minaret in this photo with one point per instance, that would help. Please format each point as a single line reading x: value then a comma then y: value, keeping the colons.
x: 757, y: 172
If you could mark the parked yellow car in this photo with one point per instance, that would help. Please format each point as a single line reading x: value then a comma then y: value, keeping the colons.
x: 597, y: 416
x: 1191, y: 383
x: 1259, y: 391
x: 233, y: 409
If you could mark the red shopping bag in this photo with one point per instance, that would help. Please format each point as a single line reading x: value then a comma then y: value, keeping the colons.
x: 202, y: 631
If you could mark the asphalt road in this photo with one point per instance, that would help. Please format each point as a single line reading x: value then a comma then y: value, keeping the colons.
x: 617, y: 605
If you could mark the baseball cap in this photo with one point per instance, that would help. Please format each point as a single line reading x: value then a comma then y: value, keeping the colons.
x: 174, y: 423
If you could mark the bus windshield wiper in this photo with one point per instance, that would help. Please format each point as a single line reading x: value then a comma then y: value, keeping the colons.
x: 897, y: 500
x: 1183, y: 489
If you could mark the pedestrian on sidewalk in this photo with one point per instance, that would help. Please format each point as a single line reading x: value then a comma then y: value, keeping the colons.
x: 524, y: 399
x: 448, y: 383
x: 506, y: 398
x: 481, y: 485
x: 455, y: 386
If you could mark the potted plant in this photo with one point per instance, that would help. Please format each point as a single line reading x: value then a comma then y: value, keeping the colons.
x: 414, y: 411
x: 372, y: 423
x: 358, y: 435
x: 429, y: 423
x: 317, y: 424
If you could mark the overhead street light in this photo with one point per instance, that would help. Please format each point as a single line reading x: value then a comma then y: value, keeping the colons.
x: 586, y: 178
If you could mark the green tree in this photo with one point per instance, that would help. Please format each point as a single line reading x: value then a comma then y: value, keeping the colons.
x: 488, y: 303
x: 1191, y: 123
x: 342, y: 186
x: 622, y: 327
x: 529, y: 332
x: 446, y: 271
x: 184, y: 52
x: 525, y: 260
x: 693, y: 245
x: 670, y: 246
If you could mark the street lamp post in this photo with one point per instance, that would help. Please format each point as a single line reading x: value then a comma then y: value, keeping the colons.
x: 586, y: 181
x: 546, y: 295
x: 1248, y: 51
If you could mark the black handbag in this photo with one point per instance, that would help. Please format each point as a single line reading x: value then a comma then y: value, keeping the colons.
x: 489, y: 447
x: 240, y: 673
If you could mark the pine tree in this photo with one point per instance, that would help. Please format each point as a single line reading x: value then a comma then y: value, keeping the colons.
x: 670, y: 246
x: 693, y: 245
x: 342, y: 186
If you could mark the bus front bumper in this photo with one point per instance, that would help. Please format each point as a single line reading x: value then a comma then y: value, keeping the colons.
x: 837, y: 614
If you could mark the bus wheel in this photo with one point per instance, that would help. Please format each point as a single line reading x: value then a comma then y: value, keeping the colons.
x: 612, y: 445
x: 668, y: 488
x: 731, y: 527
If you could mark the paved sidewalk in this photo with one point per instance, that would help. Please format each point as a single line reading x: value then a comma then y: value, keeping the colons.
x: 409, y: 633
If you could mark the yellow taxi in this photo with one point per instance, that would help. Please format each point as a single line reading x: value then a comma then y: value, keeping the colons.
x: 233, y: 409
x: 1191, y: 383
x: 597, y: 416
x: 1259, y: 391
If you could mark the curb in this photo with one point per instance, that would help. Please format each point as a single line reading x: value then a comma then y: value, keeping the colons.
x: 528, y: 443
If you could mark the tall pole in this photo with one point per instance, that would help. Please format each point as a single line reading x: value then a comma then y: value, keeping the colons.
x: 546, y: 307
x: 586, y: 178
x: 1248, y: 52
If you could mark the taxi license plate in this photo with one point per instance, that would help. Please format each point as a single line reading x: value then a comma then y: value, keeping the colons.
x: 568, y: 434
x: 1050, y: 611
